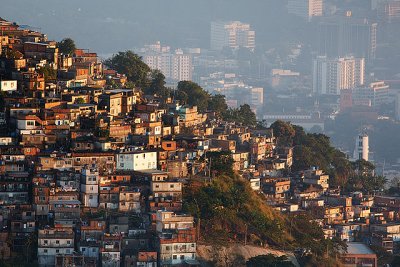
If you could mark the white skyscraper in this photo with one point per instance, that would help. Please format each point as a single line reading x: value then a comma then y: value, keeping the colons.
x: 306, y: 8
x: 233, y: 34
x: 330, y: 76
x: 181, y: 66
x: 361, y: 150
x: 176, y: 66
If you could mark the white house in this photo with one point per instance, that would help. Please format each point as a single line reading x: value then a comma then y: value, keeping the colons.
x: 137, y: 161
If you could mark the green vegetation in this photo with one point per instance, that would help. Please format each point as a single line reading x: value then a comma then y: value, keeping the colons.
x: 217, y: 103
x: 157, y: 85
x: 80, y: 100
x: 66, y: 46
x: 363, y: 178
x: 312, y: 150
x: 316, y: 150
x: 284, y: 132
x: 383, y: 142
x: 228, y: 209
x: 243, y: 115
x: 269, y: 260
x: 192, y: 94
x: 384, y: 257
x: 221, y: 162
x: 153, y: 83
x: 227, y: 206
x: 132, y: 66
x: 48, y: 72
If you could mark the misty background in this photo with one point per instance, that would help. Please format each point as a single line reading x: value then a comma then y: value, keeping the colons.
x: 106, y: 27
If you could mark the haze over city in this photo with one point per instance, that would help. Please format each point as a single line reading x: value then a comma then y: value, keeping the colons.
x: 200, y: 133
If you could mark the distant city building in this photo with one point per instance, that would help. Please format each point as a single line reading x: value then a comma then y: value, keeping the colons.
x: 374, y: 95
x: 387, y: 10
x: 233, y: 34
x: 176, y: 66
x: 330, y: 76
x: 306, y: 8
x: 361, y: 150
x: 340, y: 36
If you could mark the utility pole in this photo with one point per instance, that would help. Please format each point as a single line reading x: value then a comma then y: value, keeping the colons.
x: 245, y: 235
x: 198, y: 228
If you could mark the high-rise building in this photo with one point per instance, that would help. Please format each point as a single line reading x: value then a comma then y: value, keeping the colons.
x: 233, y: 34
x: 341, y: 36
x: 374, y: 95
x: 330, y: 76
x: 388, y: 10
x: 306, y: 8
x: 361, y: 150
x: 176, y: 66
x: 181, y: 69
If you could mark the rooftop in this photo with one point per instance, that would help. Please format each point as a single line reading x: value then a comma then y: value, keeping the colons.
x: 358, y: 248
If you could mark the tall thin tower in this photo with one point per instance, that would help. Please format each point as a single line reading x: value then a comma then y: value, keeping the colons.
x: 361, y: 150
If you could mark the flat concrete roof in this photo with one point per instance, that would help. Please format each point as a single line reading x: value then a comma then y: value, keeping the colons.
x: 358, y: 248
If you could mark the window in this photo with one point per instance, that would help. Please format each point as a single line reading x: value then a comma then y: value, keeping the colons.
x: 57, y: 241
x: 45, y: 250
x: 57, y: 251
x: 45, y: 242
x: 174, y: 257
x: 182, y: 257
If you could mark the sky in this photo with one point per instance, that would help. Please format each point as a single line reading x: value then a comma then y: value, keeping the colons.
x: 107, y: 27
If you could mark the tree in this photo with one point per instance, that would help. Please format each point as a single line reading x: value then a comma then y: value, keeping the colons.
x: 284, y: 132
x: 80, y: 100
x: 221, y: 162
x: 383, y: 256
x: 132, y: 66
x: 182, y: 97
x: 363, y: 178
x: 248, y: 117
x: 197, y: 96
x: 269, y: 260
x: 217, y: 103
x: 243, y: 115
x: 157, y: 85
x: 363, y: 167
x: 66, y: 46
x: 48, y: 72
